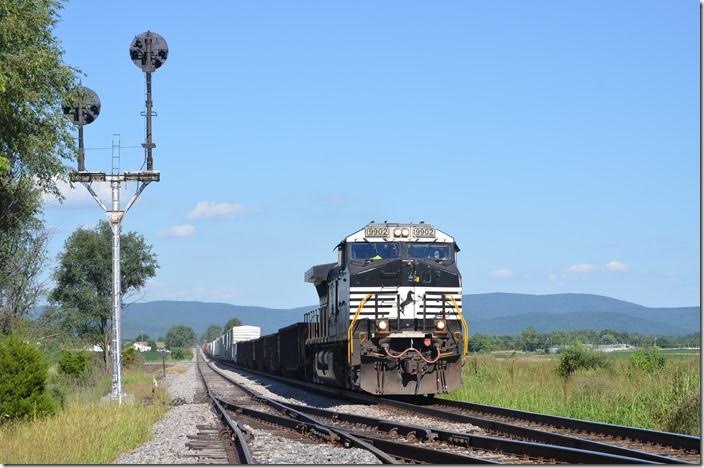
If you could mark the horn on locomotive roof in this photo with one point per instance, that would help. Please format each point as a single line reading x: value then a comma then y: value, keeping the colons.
x: 149, y: 51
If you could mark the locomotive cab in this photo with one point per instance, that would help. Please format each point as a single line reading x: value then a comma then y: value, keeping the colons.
x: 390, y: 316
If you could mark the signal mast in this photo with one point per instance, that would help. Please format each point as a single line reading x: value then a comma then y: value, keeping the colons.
x: 149, y: 52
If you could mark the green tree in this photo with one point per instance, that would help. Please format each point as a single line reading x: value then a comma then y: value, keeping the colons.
x: 142, y: 337
x: 530, y: 339
x: 23, y: 381
x: 22, y: 258
x: 34, y: 139
x: 211, y: 333
x: 130, y: 357
x: 647, y: 361
x: 34, y: 82
x: 180, y: 354
x: 74, y: 363
x: 81, y: 302
x: 180, y: 336
x: 578, y: 357
x: 233, y: 322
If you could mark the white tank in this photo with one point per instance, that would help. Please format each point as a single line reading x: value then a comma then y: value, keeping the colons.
x: 245, y: 333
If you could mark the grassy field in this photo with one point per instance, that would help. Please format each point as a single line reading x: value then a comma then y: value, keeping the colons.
x: 666, y: 399
x: 151, y: 356
x: 86, y: 430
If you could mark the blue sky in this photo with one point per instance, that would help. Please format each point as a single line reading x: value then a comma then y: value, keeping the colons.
x: 558, y: 142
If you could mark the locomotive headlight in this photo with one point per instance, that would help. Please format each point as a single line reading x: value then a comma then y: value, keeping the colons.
x: 441, y: 326
x: 405, y: 232
x: 382, y: 325
x: 397, y: 232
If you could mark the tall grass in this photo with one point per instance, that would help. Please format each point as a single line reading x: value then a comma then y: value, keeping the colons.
x: 87, y: 431
x: 666, y: 399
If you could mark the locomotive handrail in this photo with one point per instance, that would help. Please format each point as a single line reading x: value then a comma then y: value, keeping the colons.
x: 464, y: 325
x: 350, y: 330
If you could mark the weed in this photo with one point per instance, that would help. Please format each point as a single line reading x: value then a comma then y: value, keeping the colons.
x: 617, y: 394
x: 87, y: 432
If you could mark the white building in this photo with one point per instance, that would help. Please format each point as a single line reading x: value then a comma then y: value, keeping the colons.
x: 141, y: 346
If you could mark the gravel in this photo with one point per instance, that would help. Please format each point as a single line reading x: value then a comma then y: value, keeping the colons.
x: 293, y: 452
x: 170, y: 435
x: 271, y: 388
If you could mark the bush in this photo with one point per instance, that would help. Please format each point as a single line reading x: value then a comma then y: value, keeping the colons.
x: 180, y: 354
x: 59, y: 393
x: 131, y: 358
x: 647, y: 361
x: 578, y: 357
x: 74, y: 364
x: 686, y: 416
x: 23, y: 381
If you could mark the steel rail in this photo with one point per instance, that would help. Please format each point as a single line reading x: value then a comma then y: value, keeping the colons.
x: 417, y: 454
x: 531, y: 449
x: 297, y: 420
x: 669, y: 439
x: 487, y: 424
x: 236, y: 435
x: 531, y: 434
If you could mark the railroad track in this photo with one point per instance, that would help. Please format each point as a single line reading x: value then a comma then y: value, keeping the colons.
x: 590, y: 437
x: 258, y: 409
x: 236, y: 446
x: 486, y: 449
x: 675, y: 446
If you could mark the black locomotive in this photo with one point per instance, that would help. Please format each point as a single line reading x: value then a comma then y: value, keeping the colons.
x: 389, y: 322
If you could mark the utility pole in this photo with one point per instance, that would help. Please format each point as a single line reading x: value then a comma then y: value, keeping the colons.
x: 148, y: 51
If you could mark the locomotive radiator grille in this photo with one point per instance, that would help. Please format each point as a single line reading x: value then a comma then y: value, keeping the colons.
x: 423, y: 301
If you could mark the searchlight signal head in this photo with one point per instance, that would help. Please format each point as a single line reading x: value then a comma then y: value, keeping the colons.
x: 149, y: 51
x: 82, y: 107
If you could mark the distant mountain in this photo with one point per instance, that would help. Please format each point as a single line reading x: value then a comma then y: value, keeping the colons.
x: 495, y: 313
x: 155, y: 318
x: 507, y: 311
x: 547, y: 322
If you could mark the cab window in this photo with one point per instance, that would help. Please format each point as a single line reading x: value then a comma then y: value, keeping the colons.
x: 372, y: 251
x: 430, y: 251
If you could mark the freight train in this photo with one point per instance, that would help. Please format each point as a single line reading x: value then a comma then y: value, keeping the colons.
x: 389, y: 321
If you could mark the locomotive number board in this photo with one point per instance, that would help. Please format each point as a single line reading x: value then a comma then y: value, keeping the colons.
x: 382, y: 231
x: 377, y: 232
x: 423, y: 231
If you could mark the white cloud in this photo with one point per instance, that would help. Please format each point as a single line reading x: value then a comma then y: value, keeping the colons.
x: 181, y: 230
x: 78, y: 195
x: 169, y: 293
x: 615, y: 265
x: 501, y: 273
x: 212, y: 210
x: 581, y: 268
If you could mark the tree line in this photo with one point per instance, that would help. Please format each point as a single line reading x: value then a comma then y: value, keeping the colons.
x: 531, y: 340
x: 182, y: 336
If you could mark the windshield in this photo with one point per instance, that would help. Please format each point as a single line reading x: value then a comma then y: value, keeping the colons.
x: 374, y: 250
x: 430, y: 251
